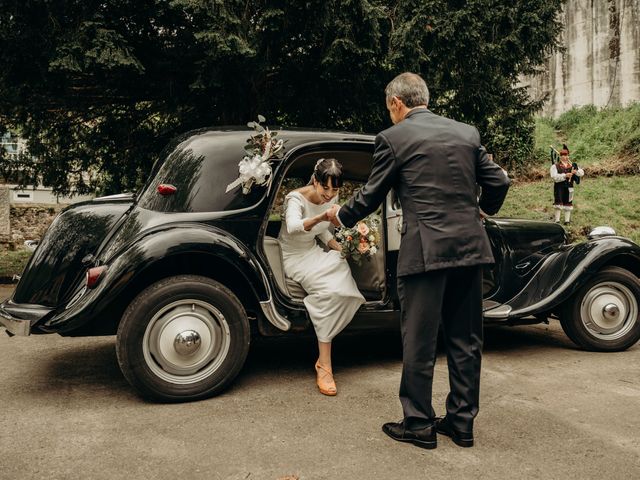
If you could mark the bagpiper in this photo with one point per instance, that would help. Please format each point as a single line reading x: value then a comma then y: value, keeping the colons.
x: 564, y: 174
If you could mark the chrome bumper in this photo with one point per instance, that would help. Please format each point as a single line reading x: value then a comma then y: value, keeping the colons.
x: 19, y: 318
x: 15, y: 326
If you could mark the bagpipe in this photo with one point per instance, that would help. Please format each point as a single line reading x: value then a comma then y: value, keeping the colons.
x: 555, y: 158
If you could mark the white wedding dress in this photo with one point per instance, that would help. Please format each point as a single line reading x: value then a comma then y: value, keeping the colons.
x: 332, y: 294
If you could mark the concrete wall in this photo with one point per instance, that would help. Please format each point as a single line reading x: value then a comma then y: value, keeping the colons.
x: 600, y: 64
x: 41, y: 195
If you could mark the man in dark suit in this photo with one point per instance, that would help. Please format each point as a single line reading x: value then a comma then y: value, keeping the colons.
x: 434, y: 164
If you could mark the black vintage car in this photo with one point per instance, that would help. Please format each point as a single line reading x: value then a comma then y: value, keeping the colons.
x: 185, y: 273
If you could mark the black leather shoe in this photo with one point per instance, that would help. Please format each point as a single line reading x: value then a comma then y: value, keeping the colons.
x: 462, y: 439
x: 421, y: 437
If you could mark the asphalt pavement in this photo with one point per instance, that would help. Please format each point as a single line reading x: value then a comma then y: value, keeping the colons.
x: 548, y: 411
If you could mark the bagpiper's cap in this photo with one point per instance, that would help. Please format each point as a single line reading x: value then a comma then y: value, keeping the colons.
x: 565, y: 149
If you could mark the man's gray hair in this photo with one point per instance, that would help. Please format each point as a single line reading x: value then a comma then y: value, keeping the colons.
x: 410, y: 88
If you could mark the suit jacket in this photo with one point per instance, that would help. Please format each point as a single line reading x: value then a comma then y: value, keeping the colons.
x: 434, y: 164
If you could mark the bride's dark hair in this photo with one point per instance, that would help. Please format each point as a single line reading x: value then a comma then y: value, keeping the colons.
x: 328, y: 171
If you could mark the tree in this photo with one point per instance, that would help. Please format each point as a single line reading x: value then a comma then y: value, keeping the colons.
x: 102, y: 85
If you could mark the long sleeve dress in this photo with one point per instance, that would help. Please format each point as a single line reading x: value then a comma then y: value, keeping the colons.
x: 332, y: 294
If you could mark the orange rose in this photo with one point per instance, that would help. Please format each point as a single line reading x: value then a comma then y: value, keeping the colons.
x: 363, y: 247
x: 349, y: 238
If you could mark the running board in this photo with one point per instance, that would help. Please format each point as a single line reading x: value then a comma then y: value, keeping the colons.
x: 497, y: 311
x: 274, y: 317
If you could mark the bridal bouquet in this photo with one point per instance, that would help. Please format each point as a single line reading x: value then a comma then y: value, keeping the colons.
x: 360, y: 241
x: 255, y: 167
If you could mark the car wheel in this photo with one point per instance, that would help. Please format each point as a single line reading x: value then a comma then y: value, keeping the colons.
x: 183, y: 338
x: 604, y: 314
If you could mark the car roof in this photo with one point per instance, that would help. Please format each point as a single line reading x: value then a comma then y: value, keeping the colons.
x: 202, y: 163
x: 293, y: 135
x: 234, y: 138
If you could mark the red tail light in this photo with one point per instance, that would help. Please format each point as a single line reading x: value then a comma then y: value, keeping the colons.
x: 166, y: 189
x: 94, y: 274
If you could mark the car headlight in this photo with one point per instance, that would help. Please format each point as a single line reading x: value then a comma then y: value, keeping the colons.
x: 601, y: 231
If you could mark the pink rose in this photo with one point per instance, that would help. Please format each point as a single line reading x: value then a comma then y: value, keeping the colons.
x: 363, y: 229
x: 363, y: 247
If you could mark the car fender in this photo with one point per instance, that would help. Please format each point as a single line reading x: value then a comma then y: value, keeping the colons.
x: 151, y: 247
x: 563, y: 272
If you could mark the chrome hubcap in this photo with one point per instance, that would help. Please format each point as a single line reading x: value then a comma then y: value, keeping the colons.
x: 609, y: 310
x: 186, y: 341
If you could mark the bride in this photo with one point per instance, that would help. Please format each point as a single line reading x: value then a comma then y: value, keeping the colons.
x: 332, y: 295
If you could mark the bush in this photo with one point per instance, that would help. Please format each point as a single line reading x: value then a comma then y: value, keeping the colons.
x: 545, y: 135
x: 513, y: 142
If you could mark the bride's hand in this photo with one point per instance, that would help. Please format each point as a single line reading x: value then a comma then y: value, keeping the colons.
x: 332, y: 212
x: 334, y: 245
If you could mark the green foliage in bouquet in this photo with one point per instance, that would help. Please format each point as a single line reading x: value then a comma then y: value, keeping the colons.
x: 361, y: 241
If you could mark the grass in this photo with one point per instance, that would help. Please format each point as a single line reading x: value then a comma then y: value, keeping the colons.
x: 597, y: 201
x: 13, y: 262
x: 597, y: 135
x: 594, y: 136
x: 545, y: 135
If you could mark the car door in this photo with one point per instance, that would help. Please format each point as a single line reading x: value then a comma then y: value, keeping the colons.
x: 393, y: 214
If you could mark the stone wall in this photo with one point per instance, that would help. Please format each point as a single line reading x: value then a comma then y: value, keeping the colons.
x: 600, y: 61
x: 5, y: 224
x: 27, y: 222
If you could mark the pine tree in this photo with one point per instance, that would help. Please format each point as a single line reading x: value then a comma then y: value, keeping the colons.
x: 102, y: 86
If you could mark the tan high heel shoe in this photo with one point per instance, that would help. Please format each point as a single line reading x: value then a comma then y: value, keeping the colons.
x: 325, y: 381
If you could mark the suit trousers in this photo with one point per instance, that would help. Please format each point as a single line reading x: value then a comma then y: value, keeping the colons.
x: 450, y: 298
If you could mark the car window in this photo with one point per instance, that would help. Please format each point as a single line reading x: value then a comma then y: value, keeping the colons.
x: 290, y: 184
x: 200, y: 168
x: 356, y: 166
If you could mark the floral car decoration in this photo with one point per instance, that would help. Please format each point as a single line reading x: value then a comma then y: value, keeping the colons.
x: 255, y: 167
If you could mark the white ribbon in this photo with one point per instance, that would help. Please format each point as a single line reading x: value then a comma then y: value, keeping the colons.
x: 252, y: 170
x: 257, y: 169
